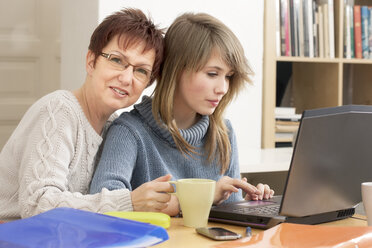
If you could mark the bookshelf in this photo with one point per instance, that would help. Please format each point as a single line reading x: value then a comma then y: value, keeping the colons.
x: 316, y: 82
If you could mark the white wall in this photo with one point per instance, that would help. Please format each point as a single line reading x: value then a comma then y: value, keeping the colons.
x: 244, y: 17
x: 78, y: 20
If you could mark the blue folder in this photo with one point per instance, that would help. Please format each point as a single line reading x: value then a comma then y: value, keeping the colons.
x: 67, y: 227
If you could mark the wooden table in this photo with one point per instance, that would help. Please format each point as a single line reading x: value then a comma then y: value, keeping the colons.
x: 181, y: 236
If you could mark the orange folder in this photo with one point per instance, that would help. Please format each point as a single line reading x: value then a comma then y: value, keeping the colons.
x: 306, y: 236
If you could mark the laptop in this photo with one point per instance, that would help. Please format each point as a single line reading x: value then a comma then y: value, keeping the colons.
x: 331, y: 157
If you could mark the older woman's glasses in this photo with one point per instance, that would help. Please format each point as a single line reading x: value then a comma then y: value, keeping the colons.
x: 119, y: 62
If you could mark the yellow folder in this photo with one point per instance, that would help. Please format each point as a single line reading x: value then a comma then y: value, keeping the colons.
x: 155, y: 218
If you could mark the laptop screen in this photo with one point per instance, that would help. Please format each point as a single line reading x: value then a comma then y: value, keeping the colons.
x: 332, y: 156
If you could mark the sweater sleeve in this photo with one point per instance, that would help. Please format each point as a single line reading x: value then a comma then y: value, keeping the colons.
x: 50, y: 146
x: 234, y: 169
x: 117, y: 162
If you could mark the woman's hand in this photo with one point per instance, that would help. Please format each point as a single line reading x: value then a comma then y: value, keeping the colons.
x: 152, y: 196
x: 173, y: 208
x: 264, y: 192
x: 227, y: 185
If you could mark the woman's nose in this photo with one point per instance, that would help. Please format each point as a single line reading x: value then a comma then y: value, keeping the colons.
x: 223, y: 86
x: 126, y: 76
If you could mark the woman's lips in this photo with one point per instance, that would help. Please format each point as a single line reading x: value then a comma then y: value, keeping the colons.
x: 214, y: 102
x: 119, y: 92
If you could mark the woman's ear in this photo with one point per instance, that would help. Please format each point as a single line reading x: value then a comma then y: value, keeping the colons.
x: 89, y: 63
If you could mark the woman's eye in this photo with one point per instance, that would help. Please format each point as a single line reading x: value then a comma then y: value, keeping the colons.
x: 212, y: 74
x: 116, y: 60
x: 142, y: 71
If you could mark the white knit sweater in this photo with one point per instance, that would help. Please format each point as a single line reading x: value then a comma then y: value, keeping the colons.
x: 49, y: 161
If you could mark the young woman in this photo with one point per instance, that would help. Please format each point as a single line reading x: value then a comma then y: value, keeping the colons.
x: 48, y: 161
x: 181, y: 130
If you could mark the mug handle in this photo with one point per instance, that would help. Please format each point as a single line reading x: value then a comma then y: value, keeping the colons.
x: 175, y: 193
x: 175, y: 186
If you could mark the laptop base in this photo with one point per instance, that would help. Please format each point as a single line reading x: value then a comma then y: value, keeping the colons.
x: 273, y: 221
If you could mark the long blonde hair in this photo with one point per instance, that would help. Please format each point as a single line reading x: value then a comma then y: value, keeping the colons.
x: 189, y: 42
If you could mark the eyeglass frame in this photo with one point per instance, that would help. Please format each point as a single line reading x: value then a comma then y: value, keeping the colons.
x: 126, y: 65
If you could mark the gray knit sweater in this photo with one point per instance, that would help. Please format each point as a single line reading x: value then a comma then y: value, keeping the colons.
x: 138, y: 150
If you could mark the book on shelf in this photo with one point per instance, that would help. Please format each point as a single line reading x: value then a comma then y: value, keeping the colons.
x: 301, y: 28
x: 315, y: 29
x: 310, y: 26
x: 295, y: 42
x: 364, y: 20
x: 285, y: 132
x: 357, y: 32
x: 370, y: 32
x: 277, y: 28
x: 295, y: 117
x: 283, y: 144
x: 306, y: 28
x: 326, y: 30
x: 284, y: 29
x: 331, y: 29
x: 289, y: 34
x: 284, y: 111
x: 347, y: 41
x: 357, y: 22
x: 286, y: 114
x: 320, y: 31
x: 351, y: 21
x: 348, y: 30
x: 284, y: 137
x: 286, y: 125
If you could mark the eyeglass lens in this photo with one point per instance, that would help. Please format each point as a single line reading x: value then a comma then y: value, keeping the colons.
x: 121, y: 63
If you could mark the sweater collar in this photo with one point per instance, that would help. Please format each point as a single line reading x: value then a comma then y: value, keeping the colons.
x: 192, y: 135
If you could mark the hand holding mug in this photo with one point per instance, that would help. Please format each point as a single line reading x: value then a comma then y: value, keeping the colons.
x: 151, y: 196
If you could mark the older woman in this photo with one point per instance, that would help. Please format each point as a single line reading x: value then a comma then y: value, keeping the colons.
x: 48, y: 161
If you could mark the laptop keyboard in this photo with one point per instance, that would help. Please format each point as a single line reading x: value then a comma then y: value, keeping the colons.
x: 263, y: 210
